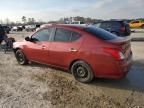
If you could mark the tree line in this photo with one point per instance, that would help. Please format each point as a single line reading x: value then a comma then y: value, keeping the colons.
x: 24, y: 20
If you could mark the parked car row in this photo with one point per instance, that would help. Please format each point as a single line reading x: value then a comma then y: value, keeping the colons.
x: 86, y: 51
x: 27, y: 28
x: 17, y: 28
x: 119, y: 28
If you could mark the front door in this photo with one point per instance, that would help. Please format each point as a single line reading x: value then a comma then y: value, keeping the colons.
x: 38, y: 48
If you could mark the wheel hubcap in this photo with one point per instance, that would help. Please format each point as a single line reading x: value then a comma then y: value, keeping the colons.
x: 81, y: 72
x: 20, y: 57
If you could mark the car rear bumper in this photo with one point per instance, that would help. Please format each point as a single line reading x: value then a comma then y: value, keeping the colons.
x: 125, y: 66
x: 117, y: 70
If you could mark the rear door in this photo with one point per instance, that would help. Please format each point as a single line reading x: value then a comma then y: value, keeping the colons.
x: 65, y: 46
x: 38, y: 49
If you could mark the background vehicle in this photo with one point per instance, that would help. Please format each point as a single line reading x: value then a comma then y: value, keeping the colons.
x: 17, y: 28
x: 14, y: 28
x: 7, y: 29
x: 120, y: 28
x: 77, y: 22
x: 30, y: 28
x: 137, y: 24
x: 84, y: 50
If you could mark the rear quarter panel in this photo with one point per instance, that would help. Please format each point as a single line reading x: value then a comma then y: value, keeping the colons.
x: 92, y: 52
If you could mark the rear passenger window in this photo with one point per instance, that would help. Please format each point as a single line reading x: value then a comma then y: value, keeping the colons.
x: 62, y: 35
x: 75, y: 36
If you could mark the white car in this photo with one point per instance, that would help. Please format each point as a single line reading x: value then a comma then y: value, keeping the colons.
x: 14, y: 28
x: 30, y: 28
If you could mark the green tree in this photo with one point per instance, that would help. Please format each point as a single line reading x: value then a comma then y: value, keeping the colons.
x: 24, y: 20
x: 31, y: 20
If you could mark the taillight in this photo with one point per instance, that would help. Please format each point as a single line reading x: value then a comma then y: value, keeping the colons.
x: 118, y: 55
x: 122, y: 29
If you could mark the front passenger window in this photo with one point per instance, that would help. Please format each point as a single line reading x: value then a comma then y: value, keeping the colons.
x: 42, y: 35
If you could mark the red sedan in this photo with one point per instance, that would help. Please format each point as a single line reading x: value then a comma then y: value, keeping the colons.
x: 86, y: 51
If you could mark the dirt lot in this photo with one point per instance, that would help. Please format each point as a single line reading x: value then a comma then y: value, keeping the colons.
x: 38, y: 86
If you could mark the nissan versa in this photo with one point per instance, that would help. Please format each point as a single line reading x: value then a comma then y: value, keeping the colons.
x: 86, y: 51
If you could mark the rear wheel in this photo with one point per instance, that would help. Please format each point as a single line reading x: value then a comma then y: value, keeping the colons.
x: 82, y: 72
x: 21, y: 58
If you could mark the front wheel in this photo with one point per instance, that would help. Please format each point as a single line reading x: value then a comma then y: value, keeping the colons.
x: 21, y: 58
x: 82, y: 72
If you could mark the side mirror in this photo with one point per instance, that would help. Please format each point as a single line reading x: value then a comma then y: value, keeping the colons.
x: 27, y: 39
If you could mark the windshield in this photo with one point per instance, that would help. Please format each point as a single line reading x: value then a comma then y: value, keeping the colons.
x: 100, y: 33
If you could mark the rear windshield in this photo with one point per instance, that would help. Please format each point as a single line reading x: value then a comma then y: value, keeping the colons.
x: 100, y: 33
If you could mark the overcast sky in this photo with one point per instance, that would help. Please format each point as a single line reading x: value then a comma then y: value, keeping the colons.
x: 55, y: 9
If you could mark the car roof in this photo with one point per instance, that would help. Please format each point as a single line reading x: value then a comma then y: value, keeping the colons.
x: 75, y: 26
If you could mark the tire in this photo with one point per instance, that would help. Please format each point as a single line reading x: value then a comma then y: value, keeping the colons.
x: 82, y: 72
x: 21, y: 58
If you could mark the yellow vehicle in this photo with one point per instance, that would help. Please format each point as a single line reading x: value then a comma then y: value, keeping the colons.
x: 137, y: 24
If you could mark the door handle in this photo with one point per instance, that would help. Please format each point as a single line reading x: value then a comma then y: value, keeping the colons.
x: 73, y: 50
x: 43, y: 47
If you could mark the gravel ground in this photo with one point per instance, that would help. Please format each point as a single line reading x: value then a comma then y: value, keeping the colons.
x: 38, y: 86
